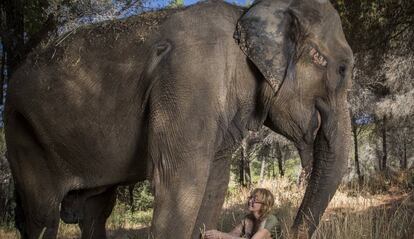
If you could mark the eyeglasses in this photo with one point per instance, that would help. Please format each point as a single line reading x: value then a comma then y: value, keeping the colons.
x: 253, y: 199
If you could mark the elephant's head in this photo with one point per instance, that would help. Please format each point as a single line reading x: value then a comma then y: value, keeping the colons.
x: 301, y: 51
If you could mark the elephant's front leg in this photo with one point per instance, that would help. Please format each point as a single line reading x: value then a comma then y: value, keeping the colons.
x: 179, y: 192
x: 215, y: 194
x: 181, y: 165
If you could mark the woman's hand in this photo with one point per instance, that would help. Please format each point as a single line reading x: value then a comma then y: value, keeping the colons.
x: 248, y: 227
x: 213, y: 234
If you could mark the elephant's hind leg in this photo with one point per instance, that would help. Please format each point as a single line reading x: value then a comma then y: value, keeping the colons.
x: 36, y: 188
x: 95, y: 212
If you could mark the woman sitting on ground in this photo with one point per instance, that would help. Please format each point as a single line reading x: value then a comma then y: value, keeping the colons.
x: 258, y: 224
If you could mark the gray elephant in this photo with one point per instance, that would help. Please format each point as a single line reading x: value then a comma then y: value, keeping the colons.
x: 165, y: 96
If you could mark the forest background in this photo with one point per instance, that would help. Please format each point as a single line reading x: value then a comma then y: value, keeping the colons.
x: 376, y: 197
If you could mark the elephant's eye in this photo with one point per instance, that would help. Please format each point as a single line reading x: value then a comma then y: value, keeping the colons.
x: 317, y: 58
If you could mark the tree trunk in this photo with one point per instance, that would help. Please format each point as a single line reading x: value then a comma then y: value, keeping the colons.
x: 17, y: 42
x: 247, y: 173
x: 269, y: 169
x: 13, y: 37
x: 379, y: 161
x: 279, y: 156
x: 2, y: 73
x: 404, y: 163
x: 262, y: 170
x: 244, y: 168
x: 241, y: 169
x: 356, y: 154
x: 280, y: 164
x: 384, y: 144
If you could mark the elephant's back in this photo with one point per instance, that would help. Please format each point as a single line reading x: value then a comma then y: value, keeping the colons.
x: 94, y: 56
x: 207, y: 20
x: 100, y: 39
x: 83, y: 93
x: 113, y: 53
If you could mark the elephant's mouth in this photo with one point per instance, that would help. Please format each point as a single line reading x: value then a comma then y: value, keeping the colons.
x: 318, y: 125
x: 312, y: 129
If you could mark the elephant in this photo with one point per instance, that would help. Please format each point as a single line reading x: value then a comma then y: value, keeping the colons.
x: 165, y: 96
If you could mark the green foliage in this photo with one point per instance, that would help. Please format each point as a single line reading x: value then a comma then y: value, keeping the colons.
x: 388, y: 22
x: 2, y: 142
x: 137, y: 198
x: 134, y: 205
x: 292, y: 169
x: 143, y: 199
x: 6, y: 187
x: 248, y: 3
x: 176, y: 3
x: 123, y: 217
x: 35, y: 15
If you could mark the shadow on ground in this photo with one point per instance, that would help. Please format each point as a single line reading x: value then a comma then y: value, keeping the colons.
x: 121, y: 233
x: 392, y: 218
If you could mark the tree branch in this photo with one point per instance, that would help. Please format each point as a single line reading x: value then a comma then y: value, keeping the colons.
x: 48, y: 26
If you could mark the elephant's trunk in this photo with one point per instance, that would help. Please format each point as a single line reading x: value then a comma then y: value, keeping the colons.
x: 330, y: 157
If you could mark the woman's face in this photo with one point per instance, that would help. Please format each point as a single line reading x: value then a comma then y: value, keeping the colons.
x: 254, y: 203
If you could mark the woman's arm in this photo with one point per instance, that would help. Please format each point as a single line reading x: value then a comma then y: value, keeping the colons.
x: 262, y: 234
x: 234, y: 234
x: 237, y: 230
x: 214, y: 234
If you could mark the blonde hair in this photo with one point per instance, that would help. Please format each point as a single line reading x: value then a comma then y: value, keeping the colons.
x: 267, y: 198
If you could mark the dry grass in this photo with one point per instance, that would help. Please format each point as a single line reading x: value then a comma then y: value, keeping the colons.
x: 353, y: 213
x: 9, y: 233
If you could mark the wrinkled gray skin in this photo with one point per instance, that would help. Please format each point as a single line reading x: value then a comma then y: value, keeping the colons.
x: 98, y: 109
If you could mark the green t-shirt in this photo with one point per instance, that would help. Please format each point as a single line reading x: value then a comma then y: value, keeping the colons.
x: 270, y: 223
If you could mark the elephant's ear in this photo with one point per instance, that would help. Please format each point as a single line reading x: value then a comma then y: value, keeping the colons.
x: 263, y: 33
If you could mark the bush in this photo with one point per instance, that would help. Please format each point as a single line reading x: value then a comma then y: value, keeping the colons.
x: 6, y: 187
x: 137, y: 197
